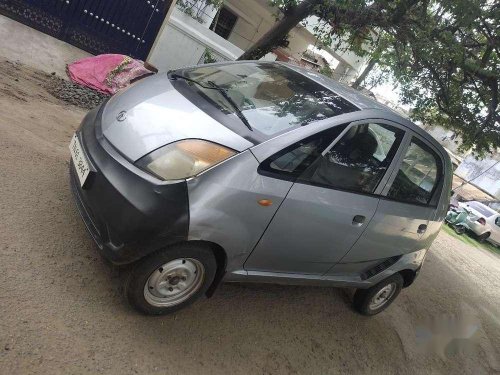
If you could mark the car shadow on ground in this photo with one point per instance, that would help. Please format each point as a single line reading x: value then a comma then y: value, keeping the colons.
x: 279, y: 323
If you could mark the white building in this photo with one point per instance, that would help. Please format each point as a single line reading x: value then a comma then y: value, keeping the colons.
x: 194, y: 28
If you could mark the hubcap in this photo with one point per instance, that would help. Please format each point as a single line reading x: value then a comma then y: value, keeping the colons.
x: 382, y: 296
x: 174, y: 282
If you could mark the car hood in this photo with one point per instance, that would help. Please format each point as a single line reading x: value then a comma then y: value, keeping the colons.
x: 152, y: 113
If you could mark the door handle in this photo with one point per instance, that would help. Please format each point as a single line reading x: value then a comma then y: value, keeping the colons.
x: 358, y: 220
x: 422, y: 228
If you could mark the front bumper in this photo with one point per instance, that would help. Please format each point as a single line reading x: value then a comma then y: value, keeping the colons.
x: 127, y: 212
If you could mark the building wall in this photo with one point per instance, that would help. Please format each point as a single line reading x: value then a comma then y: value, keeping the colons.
x: 254, y: 20
x: 183, y: 40
x: 299, y: 38
x: 350, y: 65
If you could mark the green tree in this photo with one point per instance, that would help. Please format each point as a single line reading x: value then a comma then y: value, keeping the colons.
x: 445, y: 55
x: 327, y: 71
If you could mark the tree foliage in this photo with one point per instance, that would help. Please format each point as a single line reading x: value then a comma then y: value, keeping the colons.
x: 327, y: 71
x: 445, y: 55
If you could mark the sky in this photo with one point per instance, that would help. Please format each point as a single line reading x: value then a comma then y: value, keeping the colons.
x: 388, y: 91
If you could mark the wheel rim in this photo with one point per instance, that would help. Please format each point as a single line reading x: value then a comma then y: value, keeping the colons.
x: 174, y: 282
x: 382, y: 296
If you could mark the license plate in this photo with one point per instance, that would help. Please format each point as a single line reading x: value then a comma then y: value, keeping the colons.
x: 81, y: 164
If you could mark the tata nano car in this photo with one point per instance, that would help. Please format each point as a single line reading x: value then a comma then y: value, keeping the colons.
x: 257, y: 171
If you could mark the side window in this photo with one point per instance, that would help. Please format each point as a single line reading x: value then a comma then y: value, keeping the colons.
x: 290, y: 162
x: 358, y: 161
x: 417, y: 177
x: 497, y: 221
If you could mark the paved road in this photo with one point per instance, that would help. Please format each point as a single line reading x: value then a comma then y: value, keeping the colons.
x: 62, y: 312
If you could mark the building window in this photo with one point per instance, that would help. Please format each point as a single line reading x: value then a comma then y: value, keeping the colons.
x: 224, y: 22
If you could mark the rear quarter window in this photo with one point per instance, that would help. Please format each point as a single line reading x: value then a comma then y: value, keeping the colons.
x: 418, y: 176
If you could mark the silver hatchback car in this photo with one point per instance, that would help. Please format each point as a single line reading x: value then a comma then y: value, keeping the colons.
x: 257, y: 171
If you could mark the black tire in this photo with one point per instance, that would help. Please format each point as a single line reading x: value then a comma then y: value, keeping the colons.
x: 483, y: 237
x: 138, y: 277
x: 458, y: 229
x: 363, y: 297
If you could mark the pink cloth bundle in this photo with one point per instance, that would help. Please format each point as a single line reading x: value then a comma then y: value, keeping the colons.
x: 106, y: 73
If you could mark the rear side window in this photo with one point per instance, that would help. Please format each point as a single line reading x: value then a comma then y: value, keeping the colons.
x: 358, y: 161
x: 290, y: 162
x: 417, y: 178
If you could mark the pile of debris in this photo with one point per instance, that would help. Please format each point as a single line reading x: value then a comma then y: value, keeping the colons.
x: 72, y: 93
x: 95, y: 78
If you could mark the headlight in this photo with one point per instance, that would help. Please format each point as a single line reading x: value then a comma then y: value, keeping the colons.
x: 184, y: 159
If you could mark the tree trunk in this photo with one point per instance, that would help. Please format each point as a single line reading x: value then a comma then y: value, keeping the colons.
x: 279, y: 31
x: 365, y: 72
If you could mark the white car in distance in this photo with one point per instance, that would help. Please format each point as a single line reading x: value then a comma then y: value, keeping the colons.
x: 483, y: 221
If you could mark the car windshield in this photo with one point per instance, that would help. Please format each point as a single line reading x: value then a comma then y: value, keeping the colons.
x: 481, y: 208
x: 272, y: 97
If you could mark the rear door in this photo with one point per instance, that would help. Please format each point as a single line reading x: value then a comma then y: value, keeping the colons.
x: 331, y: 202
x: 406, y: 219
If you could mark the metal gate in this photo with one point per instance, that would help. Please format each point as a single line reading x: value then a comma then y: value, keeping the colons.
x: 97, y: 26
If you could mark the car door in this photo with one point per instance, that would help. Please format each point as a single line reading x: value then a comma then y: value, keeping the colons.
x: 332, y: 200
x: 407, y: 217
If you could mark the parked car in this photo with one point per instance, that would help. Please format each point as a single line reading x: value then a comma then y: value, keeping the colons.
x: 483, y: 221
x: 257, y: 171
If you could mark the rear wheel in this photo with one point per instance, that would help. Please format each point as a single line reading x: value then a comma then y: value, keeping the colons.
x: 376, y: 299
x: 170, y: 279
x: 483, y: 237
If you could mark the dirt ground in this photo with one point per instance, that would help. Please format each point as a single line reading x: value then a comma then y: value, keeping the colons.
x: 62, y: 310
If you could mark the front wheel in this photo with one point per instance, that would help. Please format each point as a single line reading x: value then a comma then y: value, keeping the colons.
x: 376, y: 299
x: 170, y: 279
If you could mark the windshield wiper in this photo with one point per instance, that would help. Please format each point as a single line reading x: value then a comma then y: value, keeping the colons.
x: 214, y: 86
x: 177, y: 76
x: 238, y: 111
